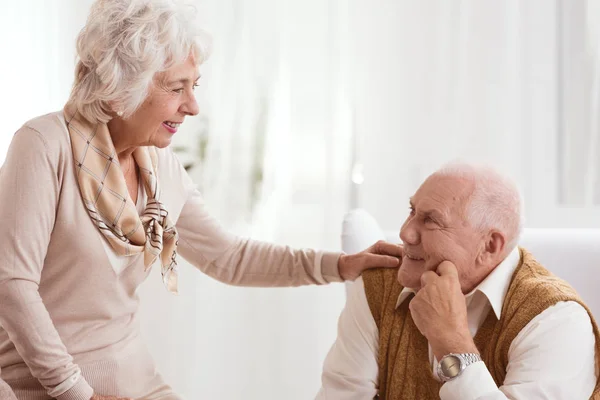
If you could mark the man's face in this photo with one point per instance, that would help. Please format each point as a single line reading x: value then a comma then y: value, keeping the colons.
x: 437, y: 229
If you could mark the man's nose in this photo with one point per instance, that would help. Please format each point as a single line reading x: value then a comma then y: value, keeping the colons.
x: 409, y: 234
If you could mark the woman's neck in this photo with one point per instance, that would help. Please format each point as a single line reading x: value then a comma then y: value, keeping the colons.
x: 119, y: 138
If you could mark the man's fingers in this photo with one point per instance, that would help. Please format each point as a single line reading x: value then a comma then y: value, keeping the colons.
x: 428, y: 277
x: 447, y: 268
x: 390, y: 249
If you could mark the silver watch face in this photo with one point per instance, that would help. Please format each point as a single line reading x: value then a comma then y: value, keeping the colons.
x: 450, y: 366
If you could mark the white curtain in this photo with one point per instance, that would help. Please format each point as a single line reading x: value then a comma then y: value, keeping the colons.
x: 580, y: 105
x: 38, y: 54
x: 439, y: 81
x: 470, y: 79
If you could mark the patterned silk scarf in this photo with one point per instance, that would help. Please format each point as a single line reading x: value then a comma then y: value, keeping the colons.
x: 105, y: 195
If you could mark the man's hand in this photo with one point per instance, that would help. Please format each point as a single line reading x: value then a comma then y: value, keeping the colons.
x: 439, y: 310
x: 98, y: 397
x: 381, y: 254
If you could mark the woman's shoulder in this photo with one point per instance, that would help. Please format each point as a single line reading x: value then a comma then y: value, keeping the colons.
x: 172, y: 174
x: 50, y: 129
x: 168, y: 162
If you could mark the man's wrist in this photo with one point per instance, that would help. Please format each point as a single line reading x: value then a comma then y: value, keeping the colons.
x: 451, y: 366
x: 459, y: 344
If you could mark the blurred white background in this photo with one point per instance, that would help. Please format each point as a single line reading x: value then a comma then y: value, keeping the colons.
x: 312, y: 107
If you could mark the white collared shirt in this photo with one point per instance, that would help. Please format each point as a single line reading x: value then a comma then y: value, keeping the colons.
x: 552, y: 357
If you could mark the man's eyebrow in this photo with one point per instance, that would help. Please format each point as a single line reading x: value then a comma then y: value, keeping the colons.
x: 434, y: 213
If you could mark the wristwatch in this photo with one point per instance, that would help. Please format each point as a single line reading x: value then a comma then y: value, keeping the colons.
x: 452, y: 365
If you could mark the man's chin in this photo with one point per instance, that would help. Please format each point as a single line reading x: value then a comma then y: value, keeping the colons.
x: 409, y: 280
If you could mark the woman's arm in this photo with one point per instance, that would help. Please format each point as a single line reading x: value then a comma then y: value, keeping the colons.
x: 245, y: 262
x: 29, y: 194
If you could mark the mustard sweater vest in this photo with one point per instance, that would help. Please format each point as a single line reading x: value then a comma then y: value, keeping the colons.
x: 404, y: 368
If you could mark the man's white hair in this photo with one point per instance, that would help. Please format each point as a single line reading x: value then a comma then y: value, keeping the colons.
x: 495, y: 203
x: 123, y: 44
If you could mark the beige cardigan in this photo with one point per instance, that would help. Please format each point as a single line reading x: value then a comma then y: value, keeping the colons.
x: 66, y: 308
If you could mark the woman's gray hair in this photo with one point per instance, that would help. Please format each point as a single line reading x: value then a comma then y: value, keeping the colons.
x: 123, y: 44
x: 495, y: 203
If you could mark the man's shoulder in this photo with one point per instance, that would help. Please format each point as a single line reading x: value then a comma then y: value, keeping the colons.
x: 385, y: 274
x: 381, y: 289
x: 533, y: 289
x: 532, y: 278
x: 381, y: 279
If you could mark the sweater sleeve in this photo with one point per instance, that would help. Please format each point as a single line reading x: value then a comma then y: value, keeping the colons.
x: 241, y: 261
x: 29, y: 195
x: 6, y: 392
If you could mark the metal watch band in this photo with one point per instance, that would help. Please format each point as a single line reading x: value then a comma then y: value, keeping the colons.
x: 465, y: 359
x: 470, y: 358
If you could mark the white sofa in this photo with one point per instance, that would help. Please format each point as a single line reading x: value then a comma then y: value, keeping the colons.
x: 572, y: 254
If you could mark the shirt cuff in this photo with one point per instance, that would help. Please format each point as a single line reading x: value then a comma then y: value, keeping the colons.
x: 474, y: 382
x: 81, y: 390
x: 329, y: 266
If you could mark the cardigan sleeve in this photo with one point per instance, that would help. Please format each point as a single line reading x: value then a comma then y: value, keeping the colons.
x: 242, y: 261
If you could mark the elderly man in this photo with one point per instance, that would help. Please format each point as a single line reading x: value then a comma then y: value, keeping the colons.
x: 468, y: 314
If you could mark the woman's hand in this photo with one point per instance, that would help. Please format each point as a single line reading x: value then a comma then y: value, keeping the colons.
x: 381, y: 254
x: 98, y: 397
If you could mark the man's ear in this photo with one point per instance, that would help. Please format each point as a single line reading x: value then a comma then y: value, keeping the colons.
x: 494, y: 246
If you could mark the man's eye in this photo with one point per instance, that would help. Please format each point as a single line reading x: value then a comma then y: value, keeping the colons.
x: 429, y: 220
x: 195, y: 86
x: 180, y: 90
x: 412, y: 210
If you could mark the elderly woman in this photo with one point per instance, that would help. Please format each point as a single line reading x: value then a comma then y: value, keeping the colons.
x: 92, y: 198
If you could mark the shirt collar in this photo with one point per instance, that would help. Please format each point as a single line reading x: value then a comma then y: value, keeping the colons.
x: 493, y: 287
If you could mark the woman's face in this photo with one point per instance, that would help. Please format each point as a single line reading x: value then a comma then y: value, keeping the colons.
x: 170, y: 99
